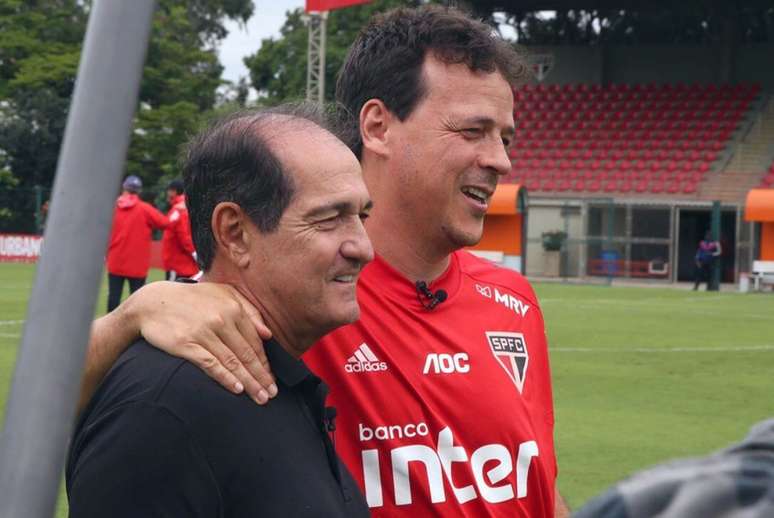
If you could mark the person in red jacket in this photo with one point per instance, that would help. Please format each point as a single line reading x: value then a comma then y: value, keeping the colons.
x: 177, y: 250
x: 128, y: 256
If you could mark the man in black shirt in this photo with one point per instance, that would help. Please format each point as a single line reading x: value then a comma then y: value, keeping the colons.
x: 276, y: 205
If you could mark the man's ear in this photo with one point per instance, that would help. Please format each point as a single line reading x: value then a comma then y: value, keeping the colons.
x: 375, y: 121
x: 231, y: 228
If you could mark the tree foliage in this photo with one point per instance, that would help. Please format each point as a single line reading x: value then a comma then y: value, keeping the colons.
x: 684, y: 23
x: 278, y: 68
x: 40, y: 45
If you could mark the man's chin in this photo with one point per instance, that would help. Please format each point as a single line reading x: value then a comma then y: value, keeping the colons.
x: 462, y: 238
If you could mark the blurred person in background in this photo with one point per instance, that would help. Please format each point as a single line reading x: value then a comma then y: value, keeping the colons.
x: 177, y: 249
x: 128, y: 255
x: 706, y: 255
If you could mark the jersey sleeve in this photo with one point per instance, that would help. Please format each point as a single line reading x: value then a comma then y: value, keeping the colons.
x: 142, y: 462
x: 183, y: 232
x: 156, y: 219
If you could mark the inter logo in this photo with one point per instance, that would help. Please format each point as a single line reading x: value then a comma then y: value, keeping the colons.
x: 510, y: 349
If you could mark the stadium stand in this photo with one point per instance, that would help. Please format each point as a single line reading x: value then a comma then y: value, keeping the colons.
x: 640, y: 139
x: 768, y: 180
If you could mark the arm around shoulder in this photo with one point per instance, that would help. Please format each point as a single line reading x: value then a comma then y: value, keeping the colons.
x: 111, y: 334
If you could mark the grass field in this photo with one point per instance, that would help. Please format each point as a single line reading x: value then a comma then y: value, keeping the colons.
x: 640, y: 374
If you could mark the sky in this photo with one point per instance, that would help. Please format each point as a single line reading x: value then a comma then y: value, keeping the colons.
x: 266, y: 21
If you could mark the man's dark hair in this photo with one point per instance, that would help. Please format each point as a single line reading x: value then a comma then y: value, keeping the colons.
x: 176, y: 185
x: 385, y: 61
x: 232, y: 161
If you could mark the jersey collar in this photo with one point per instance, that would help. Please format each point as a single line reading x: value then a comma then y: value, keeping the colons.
x: 394, y: 284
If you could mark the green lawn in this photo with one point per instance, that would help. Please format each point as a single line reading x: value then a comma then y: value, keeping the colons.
x: 15, y: 287
x: 640, y: 374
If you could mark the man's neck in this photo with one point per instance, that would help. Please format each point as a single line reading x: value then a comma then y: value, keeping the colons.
x: 396, y: 238
x: 276, y: 320
x: 414, y: 259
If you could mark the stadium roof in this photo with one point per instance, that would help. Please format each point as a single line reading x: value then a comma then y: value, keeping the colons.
x: 637, y: 5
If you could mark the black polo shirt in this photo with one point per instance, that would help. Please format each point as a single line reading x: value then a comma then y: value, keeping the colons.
x: 160, y: 438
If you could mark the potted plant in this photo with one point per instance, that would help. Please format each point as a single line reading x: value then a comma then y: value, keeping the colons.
x: 552, y: 244
x: 552, y: 240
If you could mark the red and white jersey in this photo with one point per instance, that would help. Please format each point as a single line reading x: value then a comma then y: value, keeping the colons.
x: 444, y: 412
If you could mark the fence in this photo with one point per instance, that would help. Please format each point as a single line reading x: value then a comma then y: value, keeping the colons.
x: 649, y: 240
x: 22, y: 210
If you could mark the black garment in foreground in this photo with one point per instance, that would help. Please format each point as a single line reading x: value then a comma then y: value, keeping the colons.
x: 161, y: 439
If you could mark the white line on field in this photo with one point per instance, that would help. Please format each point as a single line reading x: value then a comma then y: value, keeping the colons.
x: 661, y: 349
x: 10, y: 335
x: 651, y: 305
x: 10, y: 322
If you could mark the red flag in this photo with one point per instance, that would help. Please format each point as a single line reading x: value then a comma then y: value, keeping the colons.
x: 329, y: 5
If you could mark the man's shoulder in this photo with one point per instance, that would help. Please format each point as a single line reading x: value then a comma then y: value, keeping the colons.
x: 145, y: 374
x: 484, y: 271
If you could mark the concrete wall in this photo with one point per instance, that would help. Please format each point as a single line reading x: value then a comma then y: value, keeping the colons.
x: 545, y: 216
x: 661, y: 64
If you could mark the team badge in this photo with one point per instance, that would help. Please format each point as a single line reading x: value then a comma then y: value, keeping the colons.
x: 510, y: 349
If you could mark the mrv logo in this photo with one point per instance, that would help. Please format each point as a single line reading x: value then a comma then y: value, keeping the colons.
x: 507, y: 300
x: 497, y: 475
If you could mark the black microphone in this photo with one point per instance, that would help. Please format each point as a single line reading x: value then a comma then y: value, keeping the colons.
x: 435, y: 298
x: 329, y: 418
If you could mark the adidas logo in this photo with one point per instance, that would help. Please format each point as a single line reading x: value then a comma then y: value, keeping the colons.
x: 364, y: 360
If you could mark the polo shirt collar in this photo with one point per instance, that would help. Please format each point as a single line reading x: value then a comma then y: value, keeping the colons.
x: 290, y: 371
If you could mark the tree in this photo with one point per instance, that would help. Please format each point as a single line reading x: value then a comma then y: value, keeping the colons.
x: 278, y: 69
x: 40, y: 44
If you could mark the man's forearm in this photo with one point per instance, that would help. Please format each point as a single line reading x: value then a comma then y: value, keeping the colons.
x: 110, y: 336
x: 562, y: 510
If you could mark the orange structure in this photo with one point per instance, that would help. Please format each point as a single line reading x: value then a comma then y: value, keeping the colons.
x: 759, y: 207
x: 505, y: 227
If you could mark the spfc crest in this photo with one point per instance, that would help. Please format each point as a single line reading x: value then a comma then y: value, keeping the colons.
x: 510, y: 349
x: 542, y: 64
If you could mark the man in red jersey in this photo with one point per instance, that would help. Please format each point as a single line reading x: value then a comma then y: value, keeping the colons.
x: 443, y: 387
x: 177, y: 249
x: 128, y: 255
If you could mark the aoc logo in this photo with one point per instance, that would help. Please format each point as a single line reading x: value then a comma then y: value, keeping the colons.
x: 510, y: 349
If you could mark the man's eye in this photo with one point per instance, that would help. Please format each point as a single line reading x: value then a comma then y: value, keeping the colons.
x: 506, y: 142
x: 364, y: 216
x: 327, y: 224
x: 471, y: 132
